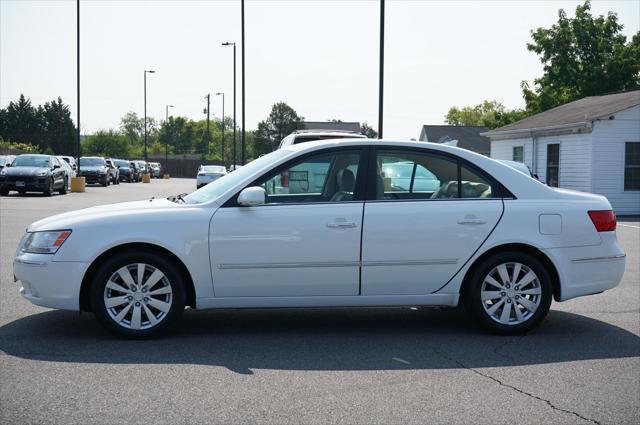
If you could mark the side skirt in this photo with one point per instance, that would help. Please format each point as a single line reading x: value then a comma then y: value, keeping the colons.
x: 448, y: 300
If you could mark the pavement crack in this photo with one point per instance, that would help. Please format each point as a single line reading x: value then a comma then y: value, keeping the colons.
x: 503, y: 384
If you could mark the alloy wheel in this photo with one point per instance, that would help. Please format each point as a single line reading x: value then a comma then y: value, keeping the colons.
x: 138, y: 296
x: 511, y: 293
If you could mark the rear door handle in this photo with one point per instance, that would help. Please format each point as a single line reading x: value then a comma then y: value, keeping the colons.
x: 341, y: 224
x: 471, y: 221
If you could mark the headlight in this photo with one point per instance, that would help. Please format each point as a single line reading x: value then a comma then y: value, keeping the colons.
x: 45, y: 242
x: 42, y: 173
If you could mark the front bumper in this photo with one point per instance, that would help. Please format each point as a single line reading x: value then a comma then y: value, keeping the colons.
x: 48, y: 283
x: 94, y: 178
x: 37, y: 184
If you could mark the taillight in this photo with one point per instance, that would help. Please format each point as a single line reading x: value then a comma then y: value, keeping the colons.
x: 605, y: 221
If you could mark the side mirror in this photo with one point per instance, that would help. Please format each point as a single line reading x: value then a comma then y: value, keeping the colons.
x: 118, y: 167
x: 55, y: 166
x: 252, y: 196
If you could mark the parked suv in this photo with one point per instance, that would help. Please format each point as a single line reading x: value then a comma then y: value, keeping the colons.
x: 302, y: 136
x: 136, y: 173
x: 94, y: 169
x: 34, y: 173
x: 124, y: 170
x: 71, y: 161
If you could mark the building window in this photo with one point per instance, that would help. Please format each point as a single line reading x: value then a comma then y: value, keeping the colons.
x: 632, y: 166
x: 553, y: 164
x: 518, y: 153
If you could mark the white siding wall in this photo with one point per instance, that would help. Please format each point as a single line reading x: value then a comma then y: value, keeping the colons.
x: 503, y: 149
x: 575, y: 157
x: 609, y: 137
x: 575, y: 160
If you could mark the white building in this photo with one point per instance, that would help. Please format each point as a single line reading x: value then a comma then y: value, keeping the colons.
x: 592, y: 145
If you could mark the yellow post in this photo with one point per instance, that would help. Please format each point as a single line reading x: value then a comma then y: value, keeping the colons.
x: 146, y: 178
x: 78, y: 184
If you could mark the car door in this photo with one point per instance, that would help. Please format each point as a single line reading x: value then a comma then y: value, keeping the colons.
x: 305, y: 241
x: 420, y: 230
x: 57, y: 172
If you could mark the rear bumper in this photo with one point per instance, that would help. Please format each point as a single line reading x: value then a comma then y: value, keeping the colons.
x: 589, y: 270
x: 47, y: 283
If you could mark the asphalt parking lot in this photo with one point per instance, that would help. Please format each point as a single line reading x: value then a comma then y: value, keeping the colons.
x: 582, y: 365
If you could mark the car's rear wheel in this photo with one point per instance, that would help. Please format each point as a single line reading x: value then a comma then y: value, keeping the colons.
x: 138, y: 295
x: 510, y: 293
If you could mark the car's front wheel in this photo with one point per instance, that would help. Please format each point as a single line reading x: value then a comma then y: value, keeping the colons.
x: 510, y: 293
x: 138, y: 294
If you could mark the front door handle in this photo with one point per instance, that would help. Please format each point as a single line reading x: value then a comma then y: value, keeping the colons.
x: 341, y: 224
x: 471, y: 221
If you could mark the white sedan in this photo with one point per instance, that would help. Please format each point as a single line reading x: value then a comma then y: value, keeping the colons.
x: 209, y: 173
x: 320, y: 225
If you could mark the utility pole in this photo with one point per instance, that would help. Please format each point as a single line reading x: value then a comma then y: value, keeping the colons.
x: 381, y: 77
x: 208, y: 96
x: 243, y: 91
x: 223, y: 128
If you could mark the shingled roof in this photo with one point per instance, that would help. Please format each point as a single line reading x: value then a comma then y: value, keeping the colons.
x: 577, y: 112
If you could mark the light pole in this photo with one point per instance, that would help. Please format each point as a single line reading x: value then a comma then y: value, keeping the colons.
x: 145, y: 111
x: 223, y: 161
x: 78, y: 81
x: 381, y: 76
x: 166, y: 144
x: 229, y: 43
x: 243, y: 92
x: 208, y: 110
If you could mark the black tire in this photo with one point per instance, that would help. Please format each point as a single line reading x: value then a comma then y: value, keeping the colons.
x: 476, y: 307
x: 65, y: 187
x: 105, y: 182
x: 111, y: 266
x: 4, y: 192
x: 49, y: 189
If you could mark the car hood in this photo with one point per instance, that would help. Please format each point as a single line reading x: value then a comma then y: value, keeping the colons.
x: 123, y: 212
x: 24, y: 171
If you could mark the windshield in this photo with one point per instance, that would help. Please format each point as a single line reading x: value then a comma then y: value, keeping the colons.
x: 218, y: 187
x: 121, y: 163
x: 91, y: 162
x: 31, y: 161
x: 3, y: 160
x: 213, y: 169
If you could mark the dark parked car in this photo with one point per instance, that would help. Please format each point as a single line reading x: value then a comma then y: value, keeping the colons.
x: 6, y: 159
x: 95, y: 170
x: 125, y: 173
x: 34, y: 173
x: 114, y: 171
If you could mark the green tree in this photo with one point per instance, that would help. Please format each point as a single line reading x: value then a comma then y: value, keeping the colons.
x: 59, y: 132
x: 489, y: 113
x: 282, y: 121
x: 179, y: 133
x: 582, y: 56
x: 368, y: 131
x: 109, y: 143
x: 21, y: 122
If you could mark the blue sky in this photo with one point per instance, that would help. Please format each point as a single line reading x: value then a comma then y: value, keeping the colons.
x: 321, y: 57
